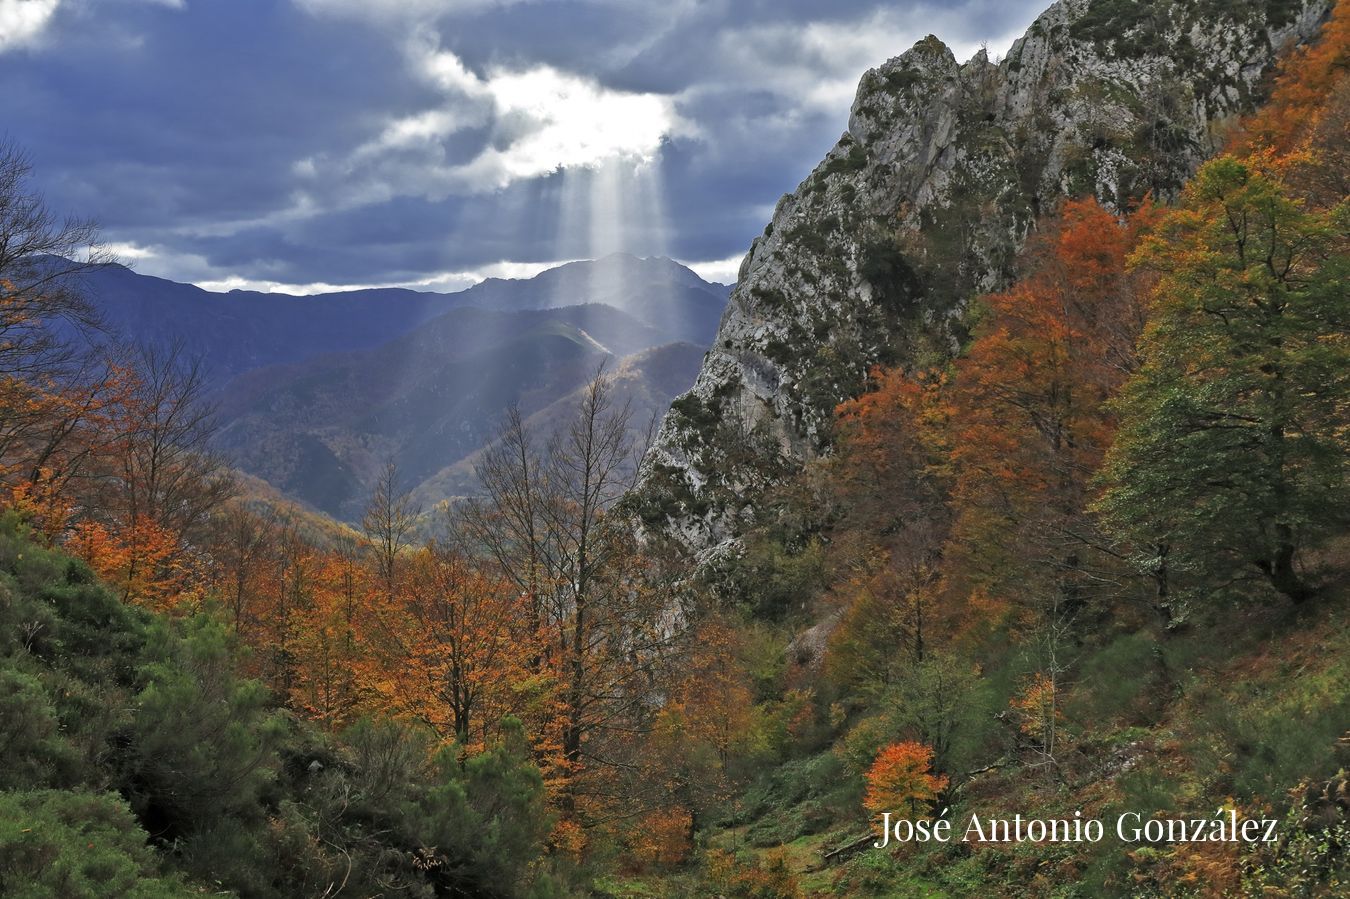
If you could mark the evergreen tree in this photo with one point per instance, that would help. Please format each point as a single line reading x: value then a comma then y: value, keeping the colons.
x: 1230, y: 459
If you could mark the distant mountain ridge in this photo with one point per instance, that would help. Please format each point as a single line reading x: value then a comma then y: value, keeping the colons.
x: 316, y: 393
x: 320, y: 430
x: 242, y: 330
x: 646, y: 382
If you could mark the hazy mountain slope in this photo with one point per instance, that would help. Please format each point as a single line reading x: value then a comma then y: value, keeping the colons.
x: 656, y: 290
x: 646, y: 382
x: 923, y: 202
x: 315, y: 393
x: 320, y: 430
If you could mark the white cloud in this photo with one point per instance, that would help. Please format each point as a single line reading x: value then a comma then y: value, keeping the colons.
x: 410, y: 131
x: 393, y: 11
x: 191, y: 268
x: 439, y: 282
x: 722, y: 271
x: 440, y: 68
x: 402, y: 12
x: 511, y: 270
x: 128, y: 252
x: 544, y: 119
x: 535, y: 120
x: 564, y: 121
x: 818, y: 64
x: 23, y: 21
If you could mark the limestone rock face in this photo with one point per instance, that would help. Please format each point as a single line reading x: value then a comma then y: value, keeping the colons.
x: 924, y: 202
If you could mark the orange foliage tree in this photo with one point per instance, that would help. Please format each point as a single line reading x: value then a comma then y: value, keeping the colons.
x: 901, y: 777
x: 889, y: 478
x: 453, y: 645
x: 969, y: 487
x: 664, y: 836
x: 704, y: 723
x: 1038, y: 713
x: 141, y: 559
x: 1028, y: 403
x: 161, y: 482
x: 242, y: 541
x: 1309, y: 78
x: 330, y: 682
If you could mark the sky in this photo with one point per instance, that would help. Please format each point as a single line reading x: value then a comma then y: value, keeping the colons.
x: 311, y: 145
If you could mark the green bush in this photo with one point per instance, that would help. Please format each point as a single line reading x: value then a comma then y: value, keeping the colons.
x: 76, y: 845
x: 486, y: 814
x: 204, y: 741
x: 895, y: 284
x: 855, y: 160
x: 1118, y: 680
x: 30, y: 739
x: 774, y: 581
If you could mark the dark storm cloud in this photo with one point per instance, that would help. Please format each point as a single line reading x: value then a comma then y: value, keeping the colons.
x: 375, y: 141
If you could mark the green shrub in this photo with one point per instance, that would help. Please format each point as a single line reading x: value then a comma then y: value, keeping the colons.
x: 486, y: 814
x: 1117, y: 680
x: 204, y: 740
x: 855, y: 160
x: 237, y: 794
x: 76, y: 845
x: 895, y: 285
x: 902, y: 79
x: 30, y: 739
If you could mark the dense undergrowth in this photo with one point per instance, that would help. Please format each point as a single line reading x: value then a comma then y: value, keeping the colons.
x: 138, y: 763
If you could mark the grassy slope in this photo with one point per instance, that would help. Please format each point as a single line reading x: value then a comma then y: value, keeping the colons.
x: 1242, y: 708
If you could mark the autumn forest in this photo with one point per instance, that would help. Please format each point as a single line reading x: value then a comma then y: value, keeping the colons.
x: 1091, y: 559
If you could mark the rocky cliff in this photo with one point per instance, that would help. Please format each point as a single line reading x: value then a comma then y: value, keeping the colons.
x: 924, y: 202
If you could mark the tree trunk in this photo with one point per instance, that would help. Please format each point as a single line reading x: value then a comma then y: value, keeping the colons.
x: 1282, y: 575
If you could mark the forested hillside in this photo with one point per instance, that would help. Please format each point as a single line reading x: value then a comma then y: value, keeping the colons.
x: 1093, y: 566
x: 140, y: 763
x: 1084, y: 557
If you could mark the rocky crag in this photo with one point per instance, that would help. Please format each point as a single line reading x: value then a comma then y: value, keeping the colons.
x: 923, y: 203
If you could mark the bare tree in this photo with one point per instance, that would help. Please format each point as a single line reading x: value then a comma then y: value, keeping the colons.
x: 54, y: 379
x: 41, y: 256
x: 389, y: 524
x: 169, y: 472
x: 508, y: 521
x: 586, y: 464
x: 160, y: 471
x: 544, y: 520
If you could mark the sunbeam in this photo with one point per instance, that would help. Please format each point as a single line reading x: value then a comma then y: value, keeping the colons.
x: 614, y: 207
